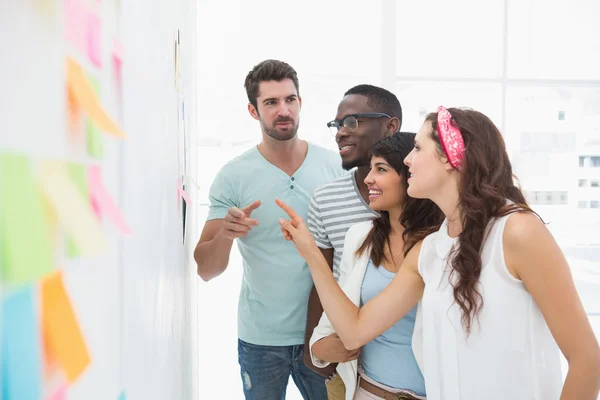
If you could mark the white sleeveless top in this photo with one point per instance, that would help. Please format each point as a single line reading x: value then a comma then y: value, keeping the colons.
x: 510, y: 352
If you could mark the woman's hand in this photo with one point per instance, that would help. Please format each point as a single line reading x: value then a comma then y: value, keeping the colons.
x: 296, y: 231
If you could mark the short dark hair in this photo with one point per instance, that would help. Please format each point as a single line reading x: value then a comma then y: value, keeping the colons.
x: 382, y: 100
x: 268, y: 70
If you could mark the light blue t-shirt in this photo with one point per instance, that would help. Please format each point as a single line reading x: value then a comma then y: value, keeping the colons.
x: 276, y: 281
x: 389, y: 358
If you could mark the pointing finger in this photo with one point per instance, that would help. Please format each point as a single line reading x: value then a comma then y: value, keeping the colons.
x: 253, y: 206
x: 288, y: 210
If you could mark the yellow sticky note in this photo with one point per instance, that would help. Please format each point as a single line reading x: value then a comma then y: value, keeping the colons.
x: 95, y: 146
x: 73, y: 210
x: 25, y: 233
x: 63, y: 336
x: 78, y: 175
x: 82, y: 91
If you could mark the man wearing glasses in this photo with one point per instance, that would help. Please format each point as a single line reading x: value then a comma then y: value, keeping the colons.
x: 365, y: 115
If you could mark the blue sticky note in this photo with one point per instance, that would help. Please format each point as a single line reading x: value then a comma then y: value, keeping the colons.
x: 21, y: 347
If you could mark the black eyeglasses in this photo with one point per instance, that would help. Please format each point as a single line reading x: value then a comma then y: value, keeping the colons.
x: 350, y: 122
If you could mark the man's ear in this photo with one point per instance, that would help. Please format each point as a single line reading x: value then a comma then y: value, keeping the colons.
x: 253, y: 111
x: 393, y: 126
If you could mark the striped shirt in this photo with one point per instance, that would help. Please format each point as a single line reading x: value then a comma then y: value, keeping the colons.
x: 333, y: 209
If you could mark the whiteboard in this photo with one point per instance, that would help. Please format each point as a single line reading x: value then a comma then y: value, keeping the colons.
x: 135, y: 301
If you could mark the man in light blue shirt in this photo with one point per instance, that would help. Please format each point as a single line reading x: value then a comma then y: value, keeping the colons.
x: 276, y: 282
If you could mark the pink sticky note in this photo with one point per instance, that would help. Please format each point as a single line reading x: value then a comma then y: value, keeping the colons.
x: 75, y: 14
x: 117, y: 55
x: 117, y: 51
x: 94, y: 49
x: 182, y: 193
x: 104, y: 202
x: 60, y: 394
x: 95, y: 207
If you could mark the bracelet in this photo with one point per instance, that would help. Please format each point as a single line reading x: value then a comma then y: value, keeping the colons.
x: 330, y: 378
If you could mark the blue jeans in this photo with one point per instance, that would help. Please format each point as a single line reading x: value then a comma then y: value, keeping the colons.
x: 266, y: 371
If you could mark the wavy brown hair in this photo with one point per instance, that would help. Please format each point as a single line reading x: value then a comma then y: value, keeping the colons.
x: 486, y: 183
x: 419, y: 217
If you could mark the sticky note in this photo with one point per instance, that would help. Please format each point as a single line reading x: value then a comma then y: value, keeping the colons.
x: 78, y: 174
x: 60, y: 394
x: 46, y: 7
x: 21, y: 346
x: 182, y: 193
x: 64, y: 337
x: 73, y: 209
x: 122, y: 396
x: 83, y: 93
x: 94, y: 49
x: 104, y: 201
x: 192, y: 181
x: 117, y: 55
x: 95, y: 146
x: 74, y: 23
x: 25, y: 232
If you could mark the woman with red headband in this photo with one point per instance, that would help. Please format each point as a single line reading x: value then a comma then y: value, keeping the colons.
x: 497, y: 297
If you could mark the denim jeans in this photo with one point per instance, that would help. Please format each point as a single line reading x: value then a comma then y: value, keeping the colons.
x: 266, y: 370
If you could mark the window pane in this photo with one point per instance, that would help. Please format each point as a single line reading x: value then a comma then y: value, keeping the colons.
x: 459, y: 38
x: 321, y: 98
x: 553, y: 39
x: 556, y: 156
x: 333, y: 38
x: 419, y: 98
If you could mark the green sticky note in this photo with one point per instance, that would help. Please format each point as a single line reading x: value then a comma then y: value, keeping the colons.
x: 25, y: 234
x: 95, y: 145
x: 78, y: 175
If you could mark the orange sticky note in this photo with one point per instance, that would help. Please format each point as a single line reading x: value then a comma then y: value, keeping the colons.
x: 65, y: 341
x: 83, y: 93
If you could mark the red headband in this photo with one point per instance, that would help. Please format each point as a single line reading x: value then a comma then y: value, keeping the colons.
x: 450, y: 138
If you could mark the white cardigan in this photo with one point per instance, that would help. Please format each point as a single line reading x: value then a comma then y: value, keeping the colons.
x: 352, y: 272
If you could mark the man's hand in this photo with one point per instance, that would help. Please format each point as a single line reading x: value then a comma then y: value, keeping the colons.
x: 237, y: 221
x: 331, y: 349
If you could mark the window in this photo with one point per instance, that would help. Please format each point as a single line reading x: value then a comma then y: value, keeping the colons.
x: 582, y: 204
x: 548, y: 198
x: 537, y: 49
x: 561, y: 115
x: 422, y: 26
x: 589, y: 161
x: 595, y: 183
x: 594, y: 204
x: 582, y: 183
x: 417, y: 97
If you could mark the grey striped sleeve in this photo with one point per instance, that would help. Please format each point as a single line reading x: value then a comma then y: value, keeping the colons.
x: 315, y: 224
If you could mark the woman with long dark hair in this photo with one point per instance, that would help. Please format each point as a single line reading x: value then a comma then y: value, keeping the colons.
x: 498, y: 298
x: 373, y: 253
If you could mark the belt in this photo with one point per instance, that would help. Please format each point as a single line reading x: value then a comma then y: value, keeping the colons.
x: 384, y: 394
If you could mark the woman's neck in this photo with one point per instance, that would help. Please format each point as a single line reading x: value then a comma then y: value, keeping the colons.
x: 395, y: 225
x: 449, y: 203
